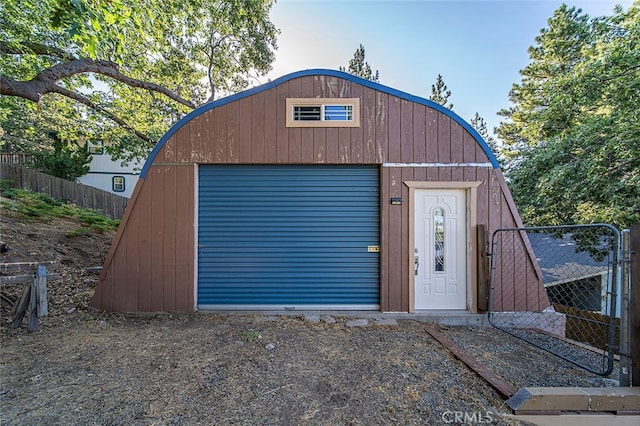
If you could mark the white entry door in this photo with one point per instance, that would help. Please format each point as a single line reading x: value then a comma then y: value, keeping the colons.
x: 440, y: 249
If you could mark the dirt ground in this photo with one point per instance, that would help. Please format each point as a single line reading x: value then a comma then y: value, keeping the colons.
x: 93, y: 368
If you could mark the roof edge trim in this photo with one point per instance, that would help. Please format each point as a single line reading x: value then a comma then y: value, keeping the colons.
x: 318, y: 72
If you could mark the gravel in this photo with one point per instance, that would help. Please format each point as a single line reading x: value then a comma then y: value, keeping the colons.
x: 522, y: 364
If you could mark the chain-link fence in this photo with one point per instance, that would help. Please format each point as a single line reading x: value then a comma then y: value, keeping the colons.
x: 576, y: 270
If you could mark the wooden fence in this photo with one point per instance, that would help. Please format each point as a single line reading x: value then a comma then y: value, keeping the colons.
x: 81, y: 195
x: 15, y: 158
x: 588, y: 327
x: 34, y: 294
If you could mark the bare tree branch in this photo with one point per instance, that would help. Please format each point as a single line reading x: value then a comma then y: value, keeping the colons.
x: 47, y: 82
x: 87, y: 102
x: 36, y: 88
x: 36, y: 49
x: 108, y: 69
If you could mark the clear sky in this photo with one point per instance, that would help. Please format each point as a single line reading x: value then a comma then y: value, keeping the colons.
x: 478, y: 46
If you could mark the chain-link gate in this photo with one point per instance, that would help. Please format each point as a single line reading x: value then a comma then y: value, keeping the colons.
x: 575, y: 275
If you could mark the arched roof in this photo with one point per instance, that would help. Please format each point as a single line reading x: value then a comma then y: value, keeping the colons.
x: 320, y: 72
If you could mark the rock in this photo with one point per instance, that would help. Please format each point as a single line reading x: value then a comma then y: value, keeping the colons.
x: 88, y: 281
x: 327, y: 319
x: 269, y: 346
x: 71, y: 310
x: 358, y: 323
x: 385, y: 321
x: 312, y: 318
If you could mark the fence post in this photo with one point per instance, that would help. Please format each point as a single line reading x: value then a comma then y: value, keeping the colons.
x: 625, y: 309
x: 43, y: 306
x: 634, y: 319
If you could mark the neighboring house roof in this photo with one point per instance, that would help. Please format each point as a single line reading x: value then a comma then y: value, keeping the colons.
x: 320, y: 72
x: 562, y: 261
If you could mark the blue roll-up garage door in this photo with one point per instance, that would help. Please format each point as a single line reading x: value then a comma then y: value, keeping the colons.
x: 288, y: 237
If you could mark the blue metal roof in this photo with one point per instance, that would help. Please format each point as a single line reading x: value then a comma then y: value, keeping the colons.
x: 317, y: 72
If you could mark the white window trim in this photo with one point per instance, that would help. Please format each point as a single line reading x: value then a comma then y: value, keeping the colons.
x: 310, y: 102
x: 113, y: 183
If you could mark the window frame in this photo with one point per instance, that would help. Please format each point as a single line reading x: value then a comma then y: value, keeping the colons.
x: 113, y: 183
x: 322, y: 102
x: 98, y: 146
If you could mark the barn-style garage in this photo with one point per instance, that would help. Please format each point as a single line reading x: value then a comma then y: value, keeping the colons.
x: 319, y: 190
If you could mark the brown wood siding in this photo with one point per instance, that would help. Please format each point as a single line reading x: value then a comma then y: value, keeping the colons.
x: 151, y: 265
x: 395, y: 268
x: 151, y: 261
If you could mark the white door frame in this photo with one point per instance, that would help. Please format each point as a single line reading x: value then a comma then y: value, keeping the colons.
x: 470, y: 189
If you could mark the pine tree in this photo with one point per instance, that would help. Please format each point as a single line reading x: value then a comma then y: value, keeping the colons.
x: 440, y: 94
x: 573, y: 128
x: 361, y: 68
x: 478, y: 123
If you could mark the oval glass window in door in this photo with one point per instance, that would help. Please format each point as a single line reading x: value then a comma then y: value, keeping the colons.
x: 438, y: 234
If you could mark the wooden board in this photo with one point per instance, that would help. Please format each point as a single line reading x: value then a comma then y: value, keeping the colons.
x: 504, y: 388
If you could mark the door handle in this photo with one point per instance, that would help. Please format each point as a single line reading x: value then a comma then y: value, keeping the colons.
x: 416, y: 262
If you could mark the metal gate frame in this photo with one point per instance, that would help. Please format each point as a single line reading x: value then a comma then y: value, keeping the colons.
x: 523, y: 324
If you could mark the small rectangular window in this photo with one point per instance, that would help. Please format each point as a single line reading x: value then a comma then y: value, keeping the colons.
x: 118, y: 184
x: 323, y: 112
x: 301, y: 113
x: 95, y: 147
x: 338, y: 112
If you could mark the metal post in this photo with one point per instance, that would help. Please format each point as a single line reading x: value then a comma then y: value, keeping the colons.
x: 625, y: 325
x: 634, y: 318
x: 615, y: 280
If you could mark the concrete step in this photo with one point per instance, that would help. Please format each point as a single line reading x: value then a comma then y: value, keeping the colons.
x: 548, y: 400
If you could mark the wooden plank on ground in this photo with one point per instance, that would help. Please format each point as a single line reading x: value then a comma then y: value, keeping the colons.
x: 21, y: 307
x: 504, y: 388
x: 33, y: 308
x: 23, y: 266
x: 23, y: 279
x: 15, y: 280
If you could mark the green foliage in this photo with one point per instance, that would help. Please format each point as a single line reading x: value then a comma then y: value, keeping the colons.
x: 152, y: 63
x: 440, y: 94
x: 253, y: 335
x: 361, y: 68
x: 66, y: 161
x: 573, y: 131
x: 78, y: 232
x: 37, y: 206
x: 5, y: 184
x: 478, y: 123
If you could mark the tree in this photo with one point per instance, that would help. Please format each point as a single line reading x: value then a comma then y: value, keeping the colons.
x: 440, y: 94
x: 130, y: 67
x: 478, y: 123
x: 66, y: 161
x: 361, y: 68
x: 573, y: 130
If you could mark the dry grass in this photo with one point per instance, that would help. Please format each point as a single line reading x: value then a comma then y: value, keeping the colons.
x: 215, y: 369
